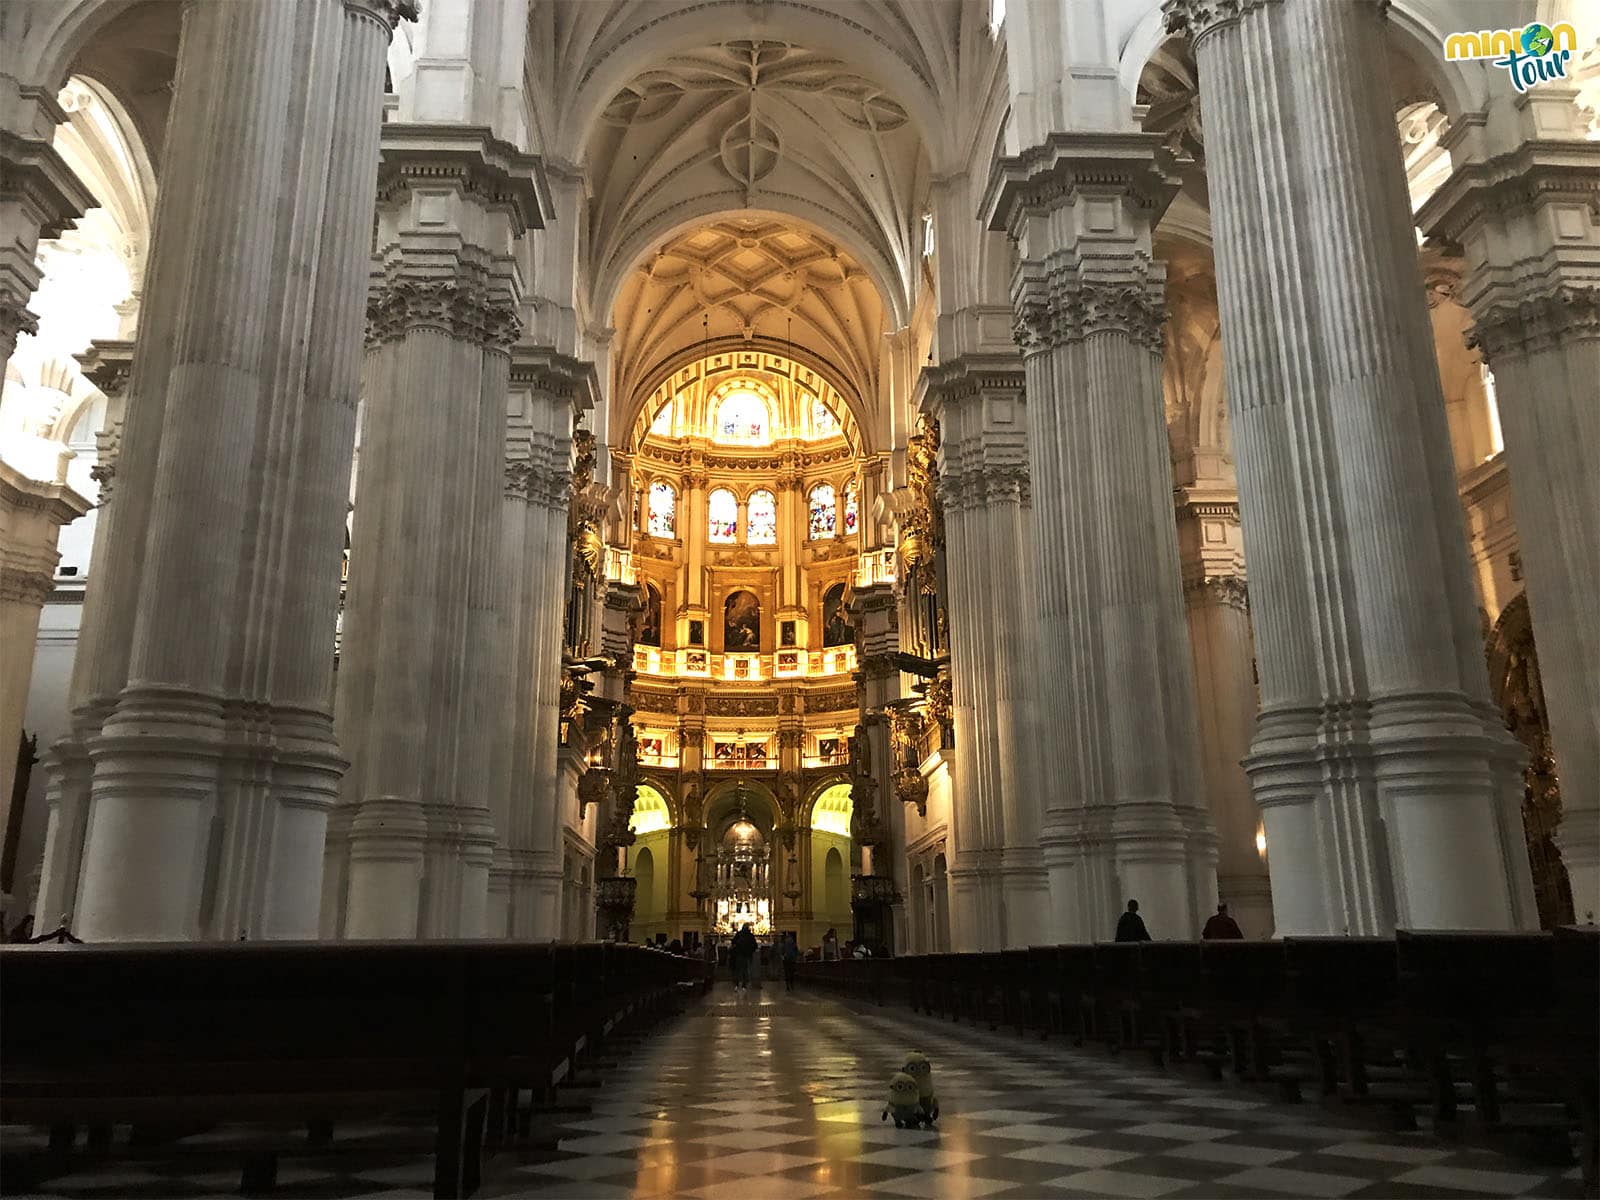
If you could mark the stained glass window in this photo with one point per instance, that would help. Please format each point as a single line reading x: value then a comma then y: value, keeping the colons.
x: 662, y: 425
x: 823, y: 422
x: 723, y: 509
x: 824, y: 512
x: 851, y: 508
x: 743, y: 417
x: 761, y: 519
x: 663, y: 510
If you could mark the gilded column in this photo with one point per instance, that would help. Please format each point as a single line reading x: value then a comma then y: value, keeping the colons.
x: 1526, y: 221
x: 412, y: 841
x: 202, y: 762
x: 1125, y: 815
x: 1388, y: 786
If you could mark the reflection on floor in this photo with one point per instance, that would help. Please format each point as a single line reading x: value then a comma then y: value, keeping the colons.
x: 775, y: 1096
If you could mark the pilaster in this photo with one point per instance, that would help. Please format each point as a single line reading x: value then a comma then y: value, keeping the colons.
x: 1388, y: 785
x: 1124, y: 816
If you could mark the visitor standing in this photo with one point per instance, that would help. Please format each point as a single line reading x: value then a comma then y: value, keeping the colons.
x: 791, y: 955
x: 1130, y: 927
x: 1221, y: 926
x: 741, y: 955
x: 830, y: 946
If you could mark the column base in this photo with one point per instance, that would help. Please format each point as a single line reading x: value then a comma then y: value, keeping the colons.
x: 1025, y: 897
x: 525, y: 895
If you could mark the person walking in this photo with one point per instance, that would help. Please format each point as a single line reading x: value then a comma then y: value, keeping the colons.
x: 1130, y: 926
x: 1221, y: 926
x: 790, y: 952
x: 741, y: 954
x: 830, y: 946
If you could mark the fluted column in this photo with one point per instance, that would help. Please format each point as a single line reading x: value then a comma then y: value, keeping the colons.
x: 997, y: 874
x: 1388, y: 786
x: 548, y: 390
x: 1217, y: 599
x: 1526, y: 220
x: 191, y: 799
x: 411, y: 845
x: 1125, y: 811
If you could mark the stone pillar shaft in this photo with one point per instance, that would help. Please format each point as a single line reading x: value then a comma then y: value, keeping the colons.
x: 1385, y: 779
x: 1527, y: 223
x: 421, y: 701
x: 1001, y: 890
x: 203, y: 763
x: 1125, y: 812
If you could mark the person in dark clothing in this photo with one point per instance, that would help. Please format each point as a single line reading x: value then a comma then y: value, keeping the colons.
x: 741, y: 953
x: 1221, y: 926
x: 791, y: 955
x: 1130, y: 926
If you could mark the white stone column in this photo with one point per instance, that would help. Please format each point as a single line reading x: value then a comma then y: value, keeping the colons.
x: 1526, y: 220
x: 1217, y: 600
x: 548, y: 391
x: 1125, y: 814
x: 1388, y: 785
x: 191, y: 799
x: 998, y: 877
x: 419, y: 703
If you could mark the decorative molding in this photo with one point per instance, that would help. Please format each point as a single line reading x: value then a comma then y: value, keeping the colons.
x: 1196, y: 19
x: 741, y: 706
x: 469, y: 158
x: 462, y: 310
x: 29, y: 587
x: 1230, y: 590
x: 1561, y: 315
x: 387, y: 13
x: 1064, y: 310
x: 16, y: 318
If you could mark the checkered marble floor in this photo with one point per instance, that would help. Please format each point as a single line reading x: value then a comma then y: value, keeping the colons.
x: 778, y: 1097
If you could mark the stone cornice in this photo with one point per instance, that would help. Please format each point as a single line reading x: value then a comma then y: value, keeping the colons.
x: 32, y: 172
x: 469, y: 157
x: 1539, y: 322
x: 1132, y: 165
x: 55, y: 500
x: 548, y: 370
x: 968, y: 377
x: 1513, y: 184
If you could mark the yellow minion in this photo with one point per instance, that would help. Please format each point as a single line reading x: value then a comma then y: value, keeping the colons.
x: 903, y: 1104
x: 919, y: 1068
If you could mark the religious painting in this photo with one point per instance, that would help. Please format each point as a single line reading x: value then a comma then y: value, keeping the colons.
x: 789, y: 662
x: 650, y: 623
x: 786, y: 633
x: 697, y: 633
x: 696, y: 662
x: 652, y: 747
x: 828, y: 748
x: 724, y: 752
x: 741, y: 623
x: 836, y: 628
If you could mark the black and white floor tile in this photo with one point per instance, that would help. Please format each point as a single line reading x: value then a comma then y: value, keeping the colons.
x: 779, y: 1097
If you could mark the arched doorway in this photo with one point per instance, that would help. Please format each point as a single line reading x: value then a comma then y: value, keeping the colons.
x: 830, y: 859
x: 648, y: 857
x: 1514, y: 676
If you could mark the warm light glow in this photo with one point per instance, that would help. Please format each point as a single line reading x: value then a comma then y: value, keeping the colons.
x: 722, y: 507
x: 662, y: 425
x: 761, y: 519
x: 1261, y: 842
x: 743, y: 418
x: 650, y: 813
x: 831, y: 813
x: 1497, y: 441
x: 663, y: 510
x: 824, y: 512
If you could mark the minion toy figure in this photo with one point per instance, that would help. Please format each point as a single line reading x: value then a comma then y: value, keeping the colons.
x: 903, y: 1104
x: 919, y: 1068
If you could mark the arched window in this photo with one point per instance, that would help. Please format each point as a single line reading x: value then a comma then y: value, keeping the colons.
x: 663, y: 510
x: 852, y: 515
x: 743, y: 417
x: 723, y: 509
x: 824, y: 512
x: 662, y: 425
x: 761, y: 519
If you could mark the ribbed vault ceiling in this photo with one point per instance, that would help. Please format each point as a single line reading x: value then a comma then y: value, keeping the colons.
x: 749, y: 276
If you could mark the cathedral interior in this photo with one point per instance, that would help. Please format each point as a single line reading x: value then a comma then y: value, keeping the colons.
x: 907, y: 476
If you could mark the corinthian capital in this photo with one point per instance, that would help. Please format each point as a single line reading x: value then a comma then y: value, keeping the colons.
x: 1062, y: 310
x: 388, y: 13
x: 1196, y: 18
